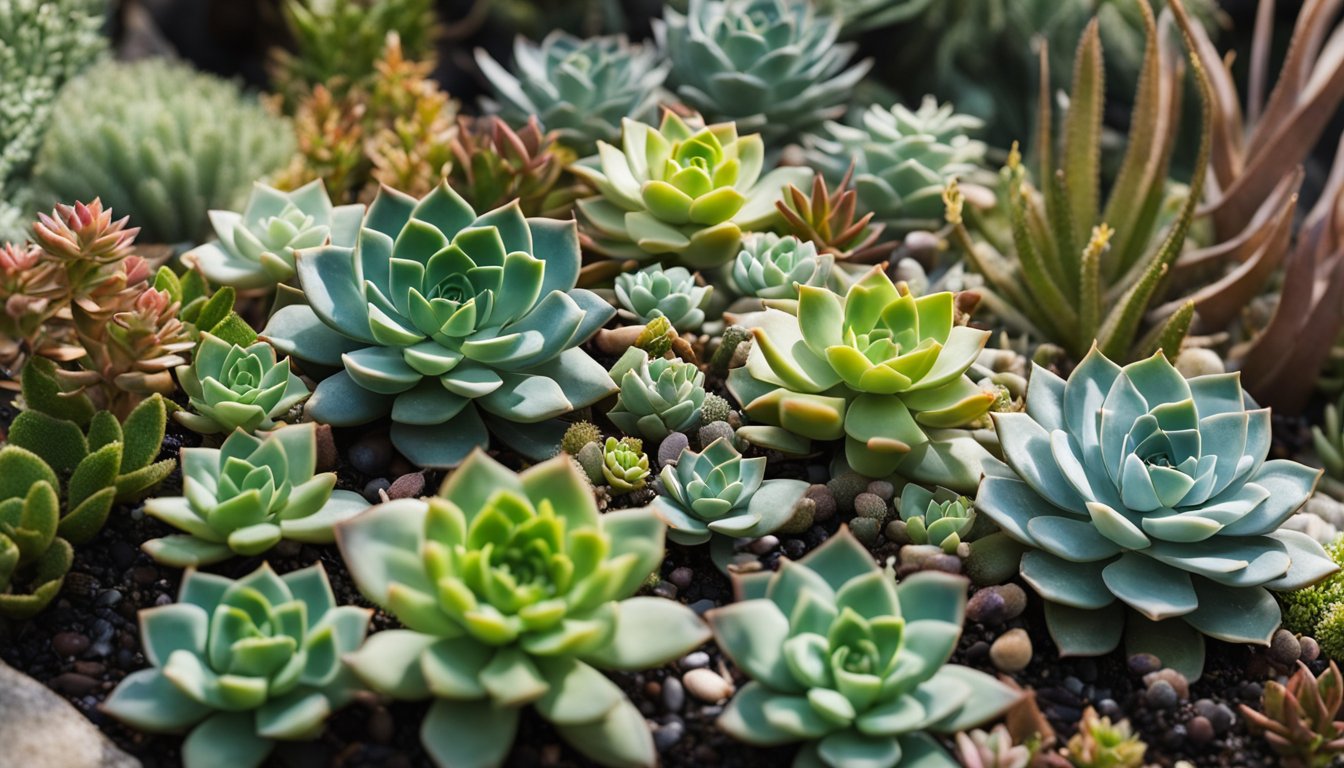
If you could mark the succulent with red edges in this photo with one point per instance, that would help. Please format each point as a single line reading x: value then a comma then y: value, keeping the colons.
x: 830, y: 219
x: 1301, y: 719
x: 493, y: 164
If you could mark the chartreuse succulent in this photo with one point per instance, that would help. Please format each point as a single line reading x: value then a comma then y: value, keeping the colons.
x: 1099, y: 743
x: 682, y: 192
x: 877, y: 367
x: 1301, y: 719
x: 514, y: 591
x: 625, y: 466
x: 1150, y: 510
x: 657, y: 397
x: 850, y: 663
x: 33, y: 559
x: 246, y: 496
x: 774, y: 66
x: 233, y: 387
x: 654, y: 291
x: 255, y: 247
x: 456, y: 324
x: 939, y: 517
x: 579, y: 88
x: 242, y: 664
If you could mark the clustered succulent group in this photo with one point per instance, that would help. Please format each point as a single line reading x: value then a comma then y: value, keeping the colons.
x: 723, y: 287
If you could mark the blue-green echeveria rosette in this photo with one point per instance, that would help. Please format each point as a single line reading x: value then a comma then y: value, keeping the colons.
x: 1150, y: 509
x: 771, y: 267
x: 850, y: 663
x: 657, y: 397
x: 448, y: 321
x: 232, y: 387
x: 657, y: 292
x: 514, y: 591
x: 878, y: 367
x: 256, y: 246
x: 247, y: 495
x: 242, y: 664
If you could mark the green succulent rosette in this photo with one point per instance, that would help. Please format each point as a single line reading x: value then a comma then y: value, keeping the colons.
x: 850, y: 663
x: 514, y: 591
x: 681, y: 193
x: 256, y: 247
x: 246, y: 496
x: 774, y: 268
x: 1150, y: 509
x: 657, y: 292
x: 454, y: 324
x: 624, y: 468
x: 33, y: 558
x: 233, y: 387
x: 657, y: 397
x: 880, y: 368
x: 939, y: 517
x: 242, y: 664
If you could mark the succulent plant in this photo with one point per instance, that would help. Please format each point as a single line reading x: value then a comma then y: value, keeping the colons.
x: 246, y: 496
x: 31, y: 293
x: 493, y: 164
x: 773, y: 267
x: 1102, y: 744
x: 939, y: 517
x: 256, y: 247
x: 161, y: 142
x: 232, y: 387
x: 829, y: 219
x: 33, y: 559
x: 1301, y: 719
x: 242, y: 664
x: 850, y: 663
x: 682, y: 192
x: 992, y: 749
x: 1315, y: 611
x: 857, y: 16
x: 1328, y: 440
x: 900, y: 160
x: 877, y: 367
x: 653, y: 291
x: 624, y: 465
x: 579, y: 434
x: 773, y: 66
x: 438, y: 314
x: 657, y: 397
x: 1149, y: 509
x: 205, y: 311
x: 579, y: 89
x: 513, y: 590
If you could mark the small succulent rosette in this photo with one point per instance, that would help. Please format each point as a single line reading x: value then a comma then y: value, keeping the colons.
x: 242, y: 664
x: 940, y: 517
x: 849, y: 663
x: 233, y: 387
x: 657, y: 397
x: 33, y: 559
x: 653, y: 291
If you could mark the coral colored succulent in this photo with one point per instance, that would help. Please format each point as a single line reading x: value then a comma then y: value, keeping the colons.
x: 493, y: 164
x: 231, y: 387
x: 657, y: 397
x: 1302, y: 719
x: 829, y: 218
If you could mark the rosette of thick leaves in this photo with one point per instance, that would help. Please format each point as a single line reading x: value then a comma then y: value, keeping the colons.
x: 878, y: 368
x: 939, y: 517
x: 256, y: 247
x: 851, y: 663
x: 774, y: 267
x: 447, y: 321
x: 625, y: 467
x: 33, y: 559
x: 513, y: 591
x: 247, y: 495
x: 657, y: 397
x: 682, y: 192
x: 231, y: 387
x: 1150, y: 509
x: 242, y: 664
x: 657, y: 292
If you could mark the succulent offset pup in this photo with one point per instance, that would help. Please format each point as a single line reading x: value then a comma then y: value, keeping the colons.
x: 939, y: 517
x: 454, y: 324
x: 657, y: 397
x: 514, y: 591
x: 1150, y: 509
x: 654, y: 291
x: 232, y: 387
x: 242, y: 664
x: 33, y: 559
x: 851, y: 663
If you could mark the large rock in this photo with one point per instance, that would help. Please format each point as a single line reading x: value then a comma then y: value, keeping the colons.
x: 39, y: 729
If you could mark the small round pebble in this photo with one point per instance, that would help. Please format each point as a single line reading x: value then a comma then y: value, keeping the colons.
x: 667, y: 735
x: 695, y: 660
x: 823, y: 503
x: 882, y: 489
x: 1219, y: 715
x: 674, y: 694
x: 1200, y: 730
x: 995, y: 605
x: 1011, y: 652
x: 716, y: 430
x: 1284, y: 649
x: 764, y: 545
x: 681, y: 576
x: 69, y: 643
x: 372, y: 488
x: 1172, y: 677
x: 371, y: 454
x: 707, y: 685
x: 1311, y: 650
x: 1144, y: 663
x: 408, y: 486
x: 1161, y: 695
x: 670, y: 449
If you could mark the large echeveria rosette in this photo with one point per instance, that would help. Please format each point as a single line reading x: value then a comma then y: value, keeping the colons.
x: 880, y: 368
x: 1150, y: 509
x: 515, y: 591
x: 448, y: 321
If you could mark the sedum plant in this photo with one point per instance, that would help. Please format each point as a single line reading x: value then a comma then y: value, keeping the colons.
x: 1099, y: 743
x: 448, y: 321
x: 232, y: 387
x: 514, y: 591
x: 242, y: 664
x: 580, y: 89
x: 773, y: 66
x: 653, y: 291
x: 493, y: 164
x: 879, y: 368
x: 939, y: 517
x: 625, y: 466
x: 991, y: 749
x: 849, y: 663
x: 829, y: 218
x: 161, y: 142
x: 255, y: 247
x: 1149, y: 509
x: 682, y: 192
x: 246, y: 496
x: 657, y: 397
x: 1301, y: 719
x: 775, y: 268
x: 33, y: 558
x: 900, y: 160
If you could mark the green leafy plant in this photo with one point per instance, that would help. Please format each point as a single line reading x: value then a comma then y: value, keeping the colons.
x: 493, y: 164
x: 624, y: 464
x: 581, y: 89
x: 1100, y: 743
x: 205, y: 311
x: 246, y: 496
x: 1301, y: 719
x: 448, y: 321
x: 773, y: 66
x: 653, y: 291
x: 1318, y: 610
x: 1150, y: 510
x: 514, y: 591
x: 232, y: 387
x: 33, y: 559
x: 850, y: 663
x: 939, y: 517
x: 657, y: 397
x: 774, y: 268
x: 880, y: 368
x: 242, y: 664
x: 682, y: 192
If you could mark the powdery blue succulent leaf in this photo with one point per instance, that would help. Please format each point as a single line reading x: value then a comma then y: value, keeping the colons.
x: 1084, y: 631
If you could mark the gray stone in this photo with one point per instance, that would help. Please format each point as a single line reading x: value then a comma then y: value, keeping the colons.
x: 41, y: 730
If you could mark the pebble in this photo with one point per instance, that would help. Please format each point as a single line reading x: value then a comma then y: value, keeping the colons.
x: 1311, y: 650
x: 995, y: 605
x: 674, y: 694
x: 795, y: 548
x: 1073, y: 685
x: 1284, y: 649
x: 667, y: 735
x: 681, y: 576
x: 1144, y: 663
x: 1219, y: 715
x: 408, y: 486
x: 1200, y: 730
x: 670, y: 449
x: 695, y: 660
x: 69, y: 644
x: 764, y: 545
x: 882, y: 489
x: 1109, y: 708
x: 716, y: 430
x: 328, y: 458
x: 372, y: 488
x: 72, y: 684
x: 1011, y: 652
x: 371, y: 454
x: 90, y: 668
x: 707, y: 685
x: 823, y: 502
x: 1174, y: 737
x: 144, y: 575
x: 1173, y: 678
x: 381, y: 726
x: 1161, y: 695
x: 108, y: 598
x: 945, y: 563
x: 665, y: 589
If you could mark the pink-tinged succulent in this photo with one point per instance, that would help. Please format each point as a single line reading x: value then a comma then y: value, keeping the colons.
x: 84, y: 233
